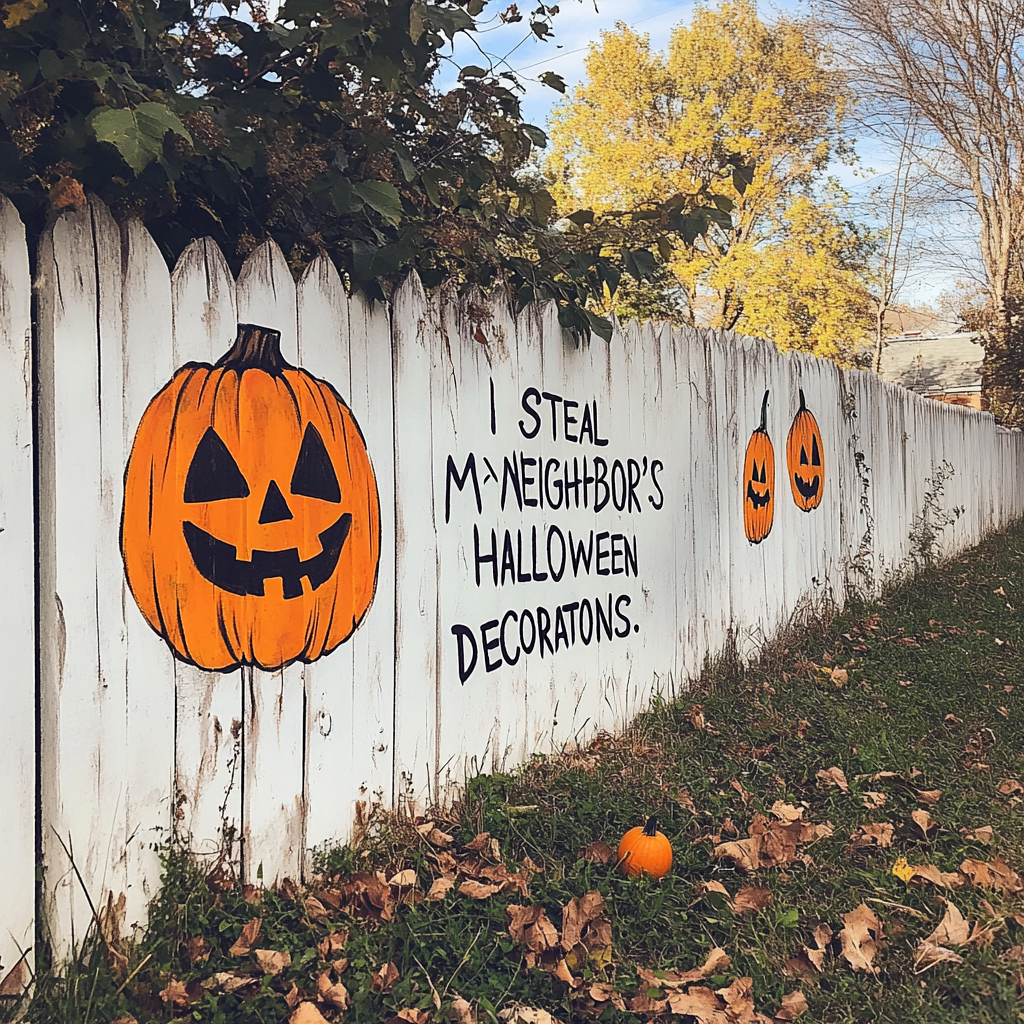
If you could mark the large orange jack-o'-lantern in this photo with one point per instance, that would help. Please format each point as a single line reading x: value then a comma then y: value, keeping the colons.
x: 251, y: 522
x: 805, y: 459
x: 759, y: 481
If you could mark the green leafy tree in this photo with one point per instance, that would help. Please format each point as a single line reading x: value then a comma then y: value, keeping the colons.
x: 324, y: 129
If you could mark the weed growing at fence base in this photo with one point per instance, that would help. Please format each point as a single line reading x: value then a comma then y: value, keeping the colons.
x: 916, y: 701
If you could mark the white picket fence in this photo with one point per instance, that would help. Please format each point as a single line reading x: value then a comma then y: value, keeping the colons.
x: 133, y: 742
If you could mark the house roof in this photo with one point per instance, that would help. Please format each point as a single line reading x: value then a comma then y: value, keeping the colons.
x: 932, y: 366
x: 906, y: 320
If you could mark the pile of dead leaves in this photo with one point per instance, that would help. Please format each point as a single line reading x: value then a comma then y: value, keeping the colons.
x: 371, y: 897
x: 773, y: 843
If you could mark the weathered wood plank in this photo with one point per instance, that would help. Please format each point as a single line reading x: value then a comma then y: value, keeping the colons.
x: 350, y: 694
x: 148, y: 364
x: 208, y: 705
x: 417, y: 520
x: 17, y: 597
x: 83, y: 688
x: 274, y: 703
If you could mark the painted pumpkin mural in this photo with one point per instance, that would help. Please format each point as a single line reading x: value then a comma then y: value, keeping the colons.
x: 251, y: 523
x: 759, y: 481
x: 805, y: 459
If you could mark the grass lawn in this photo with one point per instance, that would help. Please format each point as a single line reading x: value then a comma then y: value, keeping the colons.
x: 890, y: 736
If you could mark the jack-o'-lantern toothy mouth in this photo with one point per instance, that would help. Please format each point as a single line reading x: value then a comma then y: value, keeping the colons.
x: 808, y: 488
x: 217, y: 562
x: 758, y: 500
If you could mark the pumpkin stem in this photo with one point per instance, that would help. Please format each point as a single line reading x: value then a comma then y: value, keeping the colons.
x: 764, y: 414
x: 255, y: 348
x: 803, y: 407
x: 651, y: 828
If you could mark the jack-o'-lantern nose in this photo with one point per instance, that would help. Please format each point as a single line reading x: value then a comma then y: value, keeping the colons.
x: 275, y: 508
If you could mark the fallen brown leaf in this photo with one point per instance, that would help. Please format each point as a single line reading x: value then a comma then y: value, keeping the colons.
x: 787, y: 812
x: 578, y: 914
x: 930, y: 873
x: 404, y: 879
x: 197, y: 950
x: 230, y: 981
x: 598, y: 852
x: 307, y: 1013
x: 478, y: 890
x: 480, y: 842
x: 175, y: 994
x: 333, y: 943
x: 315, y: 909
x: 461, y: 1012
x: 270, y: 961
x: 519, y: 1014
x: 367, y: 896
x: 808, y: 962
x: 334, y: 995
x: 1010, y: 786
x: 700, y: 1003
x: 872, y: 801
x: 995, y: 874
x: 929, y: 796
x: 530, y: 927
x: 862, y: 938
x: 744, y: 853
x: 834, y: 777
x: 952, y: 930
x: 440, y: 888
x: 924, y: 823
x: 929, y: 954
x: 793, y: 1004
x: 751, y: 900
x: 739, y: 1000
x: 410, y: 1015
x: 983, y: 834
x: 643, y: 1003
x: 244, y: 943
x: 878, y: 834
x: 384, y: 977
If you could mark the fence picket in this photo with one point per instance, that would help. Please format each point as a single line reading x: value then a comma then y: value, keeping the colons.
x: 17, y: 598
x: 83, y: 686
x: 208, y: 705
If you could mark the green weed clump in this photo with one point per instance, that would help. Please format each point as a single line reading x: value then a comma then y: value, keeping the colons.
x: 888, y: 738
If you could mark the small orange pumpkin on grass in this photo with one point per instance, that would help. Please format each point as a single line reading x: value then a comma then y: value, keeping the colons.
x: 645, y: 850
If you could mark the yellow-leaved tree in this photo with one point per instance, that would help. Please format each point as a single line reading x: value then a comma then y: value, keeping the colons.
x: 645, y: 126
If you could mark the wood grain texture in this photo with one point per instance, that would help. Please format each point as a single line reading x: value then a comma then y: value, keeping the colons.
x: 83, y: 691
x: 350, y: 694
x: 273, y: 703
x: 17, y: 595
x: 208, y: 705
x: 147, y: 366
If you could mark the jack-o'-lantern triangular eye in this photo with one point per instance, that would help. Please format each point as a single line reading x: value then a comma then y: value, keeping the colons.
x: 213, y: 474
x: 803, y: 456
x: 815, y: 454
x: 314, y: 476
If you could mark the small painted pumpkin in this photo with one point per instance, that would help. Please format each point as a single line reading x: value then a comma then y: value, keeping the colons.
x: 251, y: 523
x: 805, y: 459
x: 759, y: 481
x: 645, y: 850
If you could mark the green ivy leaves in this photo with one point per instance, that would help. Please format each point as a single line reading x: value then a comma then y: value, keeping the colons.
x: 137, y: 133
